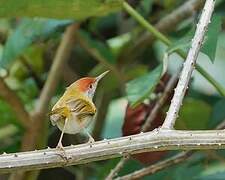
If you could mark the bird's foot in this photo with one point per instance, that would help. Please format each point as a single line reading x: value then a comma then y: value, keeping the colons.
x: 90, y: 140
x: 62, y: 151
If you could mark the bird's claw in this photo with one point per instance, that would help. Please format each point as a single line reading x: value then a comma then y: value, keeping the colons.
x: 62, y: 151
x: 91, y: 140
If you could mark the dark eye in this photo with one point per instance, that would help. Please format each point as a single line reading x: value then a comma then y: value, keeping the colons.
x: 90, y: 86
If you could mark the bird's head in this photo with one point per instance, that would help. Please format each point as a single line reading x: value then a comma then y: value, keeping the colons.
x: 88, y: 85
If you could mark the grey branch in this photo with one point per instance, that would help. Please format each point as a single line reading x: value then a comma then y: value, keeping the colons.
x: 106, y: 149
x: 170, y: 85
x: 157, y: 167
x: 117, y: 168
x: 164, y: 25
x: 147, y: 124
x: 178, y: 158
x: 189, y: 65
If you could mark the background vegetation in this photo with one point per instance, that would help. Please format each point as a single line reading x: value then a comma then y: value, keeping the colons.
x: 86, y: 38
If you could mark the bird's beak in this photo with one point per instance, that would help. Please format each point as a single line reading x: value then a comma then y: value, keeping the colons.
x: 98, y: 78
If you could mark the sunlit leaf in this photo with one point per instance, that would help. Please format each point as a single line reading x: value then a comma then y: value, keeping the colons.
x: 27, y: 32
x: 211, y: 37
x: 140, y: 88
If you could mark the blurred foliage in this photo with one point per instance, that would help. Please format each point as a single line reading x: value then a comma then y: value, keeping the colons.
x: 28, y: 46
x: 27, y: 32
x: 71, y: 8
x: 140, y: 88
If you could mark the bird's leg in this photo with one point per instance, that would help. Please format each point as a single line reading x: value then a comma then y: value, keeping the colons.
x: 60, y: 145
x: 91, y: 139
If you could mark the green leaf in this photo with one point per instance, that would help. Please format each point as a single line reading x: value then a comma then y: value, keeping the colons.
x: 183, y: 43
x: 210, y: 42
x: 27, y: 32
x: 67, y: 9
x: 140, y: 88
x: 218, y: 115
x: 146, y: 7
x: 194, y: 115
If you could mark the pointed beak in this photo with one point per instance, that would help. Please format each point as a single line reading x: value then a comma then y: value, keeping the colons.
x: 98, y: 78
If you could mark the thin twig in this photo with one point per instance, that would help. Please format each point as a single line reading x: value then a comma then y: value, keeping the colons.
x: 169, y: 86
x: 80, y: 154
x: 117, y: 168
x: 157, y: 167
x: 189, y: 65
x: 15, y: 103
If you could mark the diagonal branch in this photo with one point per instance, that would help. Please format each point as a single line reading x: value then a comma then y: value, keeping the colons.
x: 56, y: 70
x: 117, y: 168
x: 169, y: 86
x: 189, y: 65
x: 15, y: 103
x: 158, y: 166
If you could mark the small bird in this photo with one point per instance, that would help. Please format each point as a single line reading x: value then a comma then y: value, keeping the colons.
x: 75, y: 109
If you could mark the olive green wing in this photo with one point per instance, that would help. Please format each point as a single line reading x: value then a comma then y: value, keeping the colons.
x: 81, y: 107
x: 60, y: 113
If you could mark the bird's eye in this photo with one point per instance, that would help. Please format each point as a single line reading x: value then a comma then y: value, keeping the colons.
x: 90, y: 86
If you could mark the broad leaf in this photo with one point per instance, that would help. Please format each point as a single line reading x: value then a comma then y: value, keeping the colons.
x: 211, y: 37
x: 140, y: 88
x: 27, y: 32
x: 67, y: 9
x: 183, y: 43
x: 194, y: 115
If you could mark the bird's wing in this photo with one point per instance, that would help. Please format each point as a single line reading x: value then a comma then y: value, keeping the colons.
x: 81, y: 107
x: 59, y: 113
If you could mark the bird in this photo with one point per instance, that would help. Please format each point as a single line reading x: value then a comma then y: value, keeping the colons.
x: 73, y: 112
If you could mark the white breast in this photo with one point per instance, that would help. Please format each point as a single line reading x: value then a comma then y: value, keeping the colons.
x: 73, y: 126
